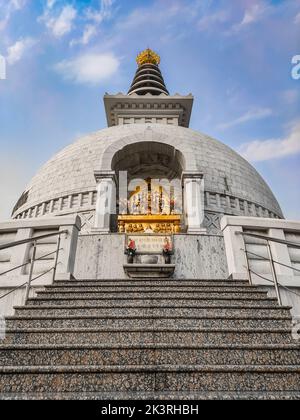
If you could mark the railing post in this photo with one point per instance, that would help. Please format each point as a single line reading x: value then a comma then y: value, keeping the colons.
x: 56, y: 258
x: 247, y: 262
x: 273, y: 271
x: 30, y: 273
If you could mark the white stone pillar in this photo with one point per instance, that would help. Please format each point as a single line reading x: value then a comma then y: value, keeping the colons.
x: 106, y: 200
x: 67, y: 254
x: 193, y: 190
x: 280, y: 253
x: 234, y: 246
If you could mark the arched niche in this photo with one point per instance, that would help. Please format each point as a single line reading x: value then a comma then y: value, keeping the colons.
x: 149, y: 160
x: 150, y: 172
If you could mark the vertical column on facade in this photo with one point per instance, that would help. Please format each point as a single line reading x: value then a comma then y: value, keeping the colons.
x: 106, y: 199
x: 193, y: 188
x: 51, y: 207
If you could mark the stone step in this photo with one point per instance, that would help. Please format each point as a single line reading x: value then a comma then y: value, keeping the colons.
x: 155, y: 287
x: 151, y: 289
x: 106, y: 301
x: 151, y: 310
x: 148, y: 354
x: 150, y: 281
x: 206, y: 291
x: 186, y: 335
x: 157, y: 396
x: 152, y: 294
x: 149, y: 378
x: 115, y: 321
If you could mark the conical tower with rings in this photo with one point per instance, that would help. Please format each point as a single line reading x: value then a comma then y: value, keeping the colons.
x: 148, y: 77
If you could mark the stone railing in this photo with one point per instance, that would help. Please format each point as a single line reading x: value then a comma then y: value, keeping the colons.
x: 287, y: 255
x: 20, y: 256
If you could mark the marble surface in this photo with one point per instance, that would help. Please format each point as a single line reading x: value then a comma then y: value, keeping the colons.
x: 196, y: 257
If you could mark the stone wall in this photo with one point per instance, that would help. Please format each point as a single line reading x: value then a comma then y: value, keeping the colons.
x: 196, y: 256
x: 200, y: 256
x: 100, y: 256
x: 289, y: 298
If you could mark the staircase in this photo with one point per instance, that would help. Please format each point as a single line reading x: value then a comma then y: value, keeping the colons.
x: 154, y: 339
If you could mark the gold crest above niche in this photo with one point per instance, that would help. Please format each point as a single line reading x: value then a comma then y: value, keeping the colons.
x: 159, y: 224
x: 148, y: 57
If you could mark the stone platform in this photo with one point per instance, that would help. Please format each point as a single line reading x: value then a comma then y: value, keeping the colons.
x: 149, y: 270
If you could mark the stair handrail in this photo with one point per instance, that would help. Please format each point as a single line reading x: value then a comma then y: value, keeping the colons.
x: 275, y: 281
x: 270, y: 238
x: 33, y: 259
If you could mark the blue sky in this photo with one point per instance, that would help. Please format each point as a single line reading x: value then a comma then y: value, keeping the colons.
x: 233, y: 55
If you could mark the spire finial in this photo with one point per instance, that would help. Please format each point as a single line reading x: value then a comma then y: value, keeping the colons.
x: 148, y: 56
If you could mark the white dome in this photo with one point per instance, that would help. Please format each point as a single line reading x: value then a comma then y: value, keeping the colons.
x: 66, y: 183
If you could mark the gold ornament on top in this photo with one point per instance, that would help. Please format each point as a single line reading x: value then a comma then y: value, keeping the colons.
x: 148, y: 57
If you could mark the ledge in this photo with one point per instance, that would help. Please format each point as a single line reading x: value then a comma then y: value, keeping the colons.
x: 40, y: 223
x: 260, y: 223
x: 149, y: 270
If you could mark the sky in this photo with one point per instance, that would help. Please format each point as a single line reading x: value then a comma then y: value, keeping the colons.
x: 237, y: 57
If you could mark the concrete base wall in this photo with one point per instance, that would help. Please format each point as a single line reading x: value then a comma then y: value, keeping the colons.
x: 13, y: 299
x: 289, y: 299
x: 196, y: 256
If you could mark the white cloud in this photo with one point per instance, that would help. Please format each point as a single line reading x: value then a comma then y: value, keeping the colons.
x: 251, y: 115
x: 89, y: 68
x: 16, y: 4
x: 16, y: 51
x: 260, y: 150
x: 7, y: 8
x: 61, y: 24
x: 98, y: 15
x: 207, y: 21
x: 50, y: 3
x: 94, y: 17
x: 252, y: 15
x: 89, y: 32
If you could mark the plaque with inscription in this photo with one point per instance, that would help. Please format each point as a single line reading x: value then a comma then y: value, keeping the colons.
x: 149, y: 244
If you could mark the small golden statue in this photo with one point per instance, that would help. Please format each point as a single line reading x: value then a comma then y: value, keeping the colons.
x: 148, y: 57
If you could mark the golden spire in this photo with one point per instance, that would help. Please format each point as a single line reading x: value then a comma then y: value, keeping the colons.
x: 148, y: 57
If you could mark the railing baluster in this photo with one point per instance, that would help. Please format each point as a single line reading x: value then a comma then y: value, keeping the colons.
x: 274, y: 274
x: 30, y: 273
x: 247, y: 263
x: 56, y: 259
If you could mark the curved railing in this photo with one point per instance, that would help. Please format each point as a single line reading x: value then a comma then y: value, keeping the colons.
x: 270, y: 258
x: 32, y: 261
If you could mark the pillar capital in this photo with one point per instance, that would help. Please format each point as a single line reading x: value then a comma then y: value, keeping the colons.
x: 191, y: 175
x: 101, y: 175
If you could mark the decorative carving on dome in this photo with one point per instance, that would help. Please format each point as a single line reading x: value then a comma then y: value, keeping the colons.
x: 212, y: 221
x: 88, y: 221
